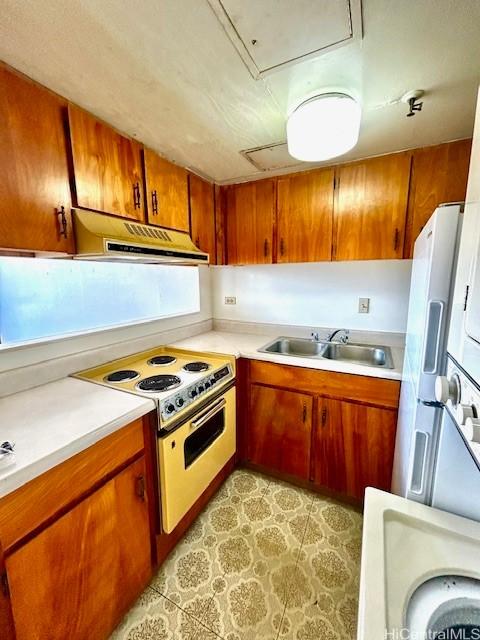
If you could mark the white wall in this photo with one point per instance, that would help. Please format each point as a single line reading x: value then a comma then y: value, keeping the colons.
x: 321, y: 294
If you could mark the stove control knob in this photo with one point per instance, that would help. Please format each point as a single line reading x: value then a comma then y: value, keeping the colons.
x: 446, y: 389
x: 192, y: 393
x: 463, y: 412
x: 179, y: 402
x: 472, y: 429
x: 207, y: 384
x: 200, y: 388
x: 170, y: 408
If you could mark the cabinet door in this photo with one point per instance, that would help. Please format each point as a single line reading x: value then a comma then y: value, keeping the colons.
x: 353, y: 446
x: 371, y: 207
x: 202, y: 215
x: 439, y: 174
x: 249, y: 222
x: 279, y: 429
x: 167, y: 192
x: 34, y: 182
x: 305, y: 217
x: 79, y: 576
x: 107, y: 167
x: 328, y: 466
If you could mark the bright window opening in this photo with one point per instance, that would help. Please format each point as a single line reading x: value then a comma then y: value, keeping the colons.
x: 45, y: 298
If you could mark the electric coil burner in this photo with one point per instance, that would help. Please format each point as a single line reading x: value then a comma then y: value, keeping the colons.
x: 124, y: 375
x: 154, y: 384
x: 195, y: 367
x: 160, y: 361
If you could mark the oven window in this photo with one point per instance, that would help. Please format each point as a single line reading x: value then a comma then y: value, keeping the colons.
x: 198, y: 441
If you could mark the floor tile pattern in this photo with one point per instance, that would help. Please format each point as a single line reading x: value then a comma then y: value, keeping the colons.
x: 263, y: 561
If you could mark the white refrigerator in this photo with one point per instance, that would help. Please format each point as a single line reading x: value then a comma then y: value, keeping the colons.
x: 419, y: 417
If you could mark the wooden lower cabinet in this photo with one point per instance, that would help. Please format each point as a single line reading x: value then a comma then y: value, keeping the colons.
x: 334, y: 430
x: 79, y: 575
x: 353, y: 447
x: 279, y: 430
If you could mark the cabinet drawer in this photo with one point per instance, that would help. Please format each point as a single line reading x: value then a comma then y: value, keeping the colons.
x: 44, y: 498
x: 363, y: 389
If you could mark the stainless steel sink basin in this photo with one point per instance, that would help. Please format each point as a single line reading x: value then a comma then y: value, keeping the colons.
x: 294, y: 347
x: 372, y: 356
x: 369, y: 355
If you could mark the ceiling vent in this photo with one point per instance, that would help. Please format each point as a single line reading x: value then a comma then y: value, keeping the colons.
x: 271, y: 156
x: 272, y: 34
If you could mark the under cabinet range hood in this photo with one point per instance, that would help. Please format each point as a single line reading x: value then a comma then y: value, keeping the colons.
x: 102, y: 237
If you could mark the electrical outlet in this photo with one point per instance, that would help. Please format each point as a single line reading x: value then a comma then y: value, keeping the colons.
x: 230, y: 300
x: 364, y: 305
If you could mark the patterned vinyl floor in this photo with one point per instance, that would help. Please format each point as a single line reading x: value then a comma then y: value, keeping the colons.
x: 263, y: 561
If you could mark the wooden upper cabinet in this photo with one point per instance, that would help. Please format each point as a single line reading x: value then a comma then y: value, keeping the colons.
x: 34, y: 183
x: 78, y: 576
x: 439, y: 174
x: 371, y: 207
x: 250, y: 211
x: 167, y: 192
x: 107, y: 167
x: 202, y: 215
x: 305, y: 216
x: 279, y: 430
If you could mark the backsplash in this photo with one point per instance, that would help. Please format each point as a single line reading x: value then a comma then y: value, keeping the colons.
x: 321, y: 294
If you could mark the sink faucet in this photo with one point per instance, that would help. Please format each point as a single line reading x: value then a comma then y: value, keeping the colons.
x: 314, y: 336
x: 343, y: 339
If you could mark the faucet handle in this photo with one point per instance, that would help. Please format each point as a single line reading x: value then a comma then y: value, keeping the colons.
x: 314, y: 336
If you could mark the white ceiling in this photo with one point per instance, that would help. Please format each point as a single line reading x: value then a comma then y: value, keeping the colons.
x: 166, y: 72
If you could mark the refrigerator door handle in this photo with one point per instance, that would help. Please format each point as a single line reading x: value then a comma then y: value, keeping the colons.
x: 419, y: 461
x: 433, y: 336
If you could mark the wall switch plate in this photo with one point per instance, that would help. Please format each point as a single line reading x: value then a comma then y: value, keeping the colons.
x: 364, y: 305
x: 230, y: 300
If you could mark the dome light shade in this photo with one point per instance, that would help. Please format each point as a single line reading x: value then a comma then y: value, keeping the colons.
x: 323, y: 127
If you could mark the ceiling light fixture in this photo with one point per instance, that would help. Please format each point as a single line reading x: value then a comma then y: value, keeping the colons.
x: 323, y: 127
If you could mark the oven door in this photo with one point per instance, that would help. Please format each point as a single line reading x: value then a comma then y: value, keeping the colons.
x: 191, y: 456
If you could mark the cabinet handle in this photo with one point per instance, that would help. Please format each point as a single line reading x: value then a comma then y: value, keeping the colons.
x: 265, y: 247
x: 282, y: 246
x: 140, y: 487
x: 396, y: 239
x: 136, y: 196
x: 304, y: 413
x: 63, y: 221
x: 324, y: 416
x: 154, y: 202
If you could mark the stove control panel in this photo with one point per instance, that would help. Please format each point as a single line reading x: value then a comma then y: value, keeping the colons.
x: 172, y: 405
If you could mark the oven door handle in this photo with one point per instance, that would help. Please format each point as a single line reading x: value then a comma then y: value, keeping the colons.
x: 209, y: 414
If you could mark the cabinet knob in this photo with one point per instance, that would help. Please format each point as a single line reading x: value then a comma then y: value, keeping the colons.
x: 282, y: 246
x: 154, y: 202
x: 136, y: 196
x: 265, y: 248
x: 140, y: 487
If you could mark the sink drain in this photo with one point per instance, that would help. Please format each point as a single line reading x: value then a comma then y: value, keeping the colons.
x: 445, y: 608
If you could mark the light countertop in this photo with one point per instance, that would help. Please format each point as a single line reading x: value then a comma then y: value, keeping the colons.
x: 245, y: 345
x: 55, y: 421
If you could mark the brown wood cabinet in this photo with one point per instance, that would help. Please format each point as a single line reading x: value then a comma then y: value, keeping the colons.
x: 77, y: 577
x: 280, y: 426
x: 250, y: 211
x: 76, y: 542
x: 305, y: 216
x: 334, y: 430
x: 34, y: 184
x: 107, y: 167
x: 166, y: 192
x: 371, y: 207
x: 353, y: 446
x: 202, y: 215
x: 439, y: 174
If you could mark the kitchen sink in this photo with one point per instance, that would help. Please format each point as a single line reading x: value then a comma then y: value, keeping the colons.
x: 369, y: 355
